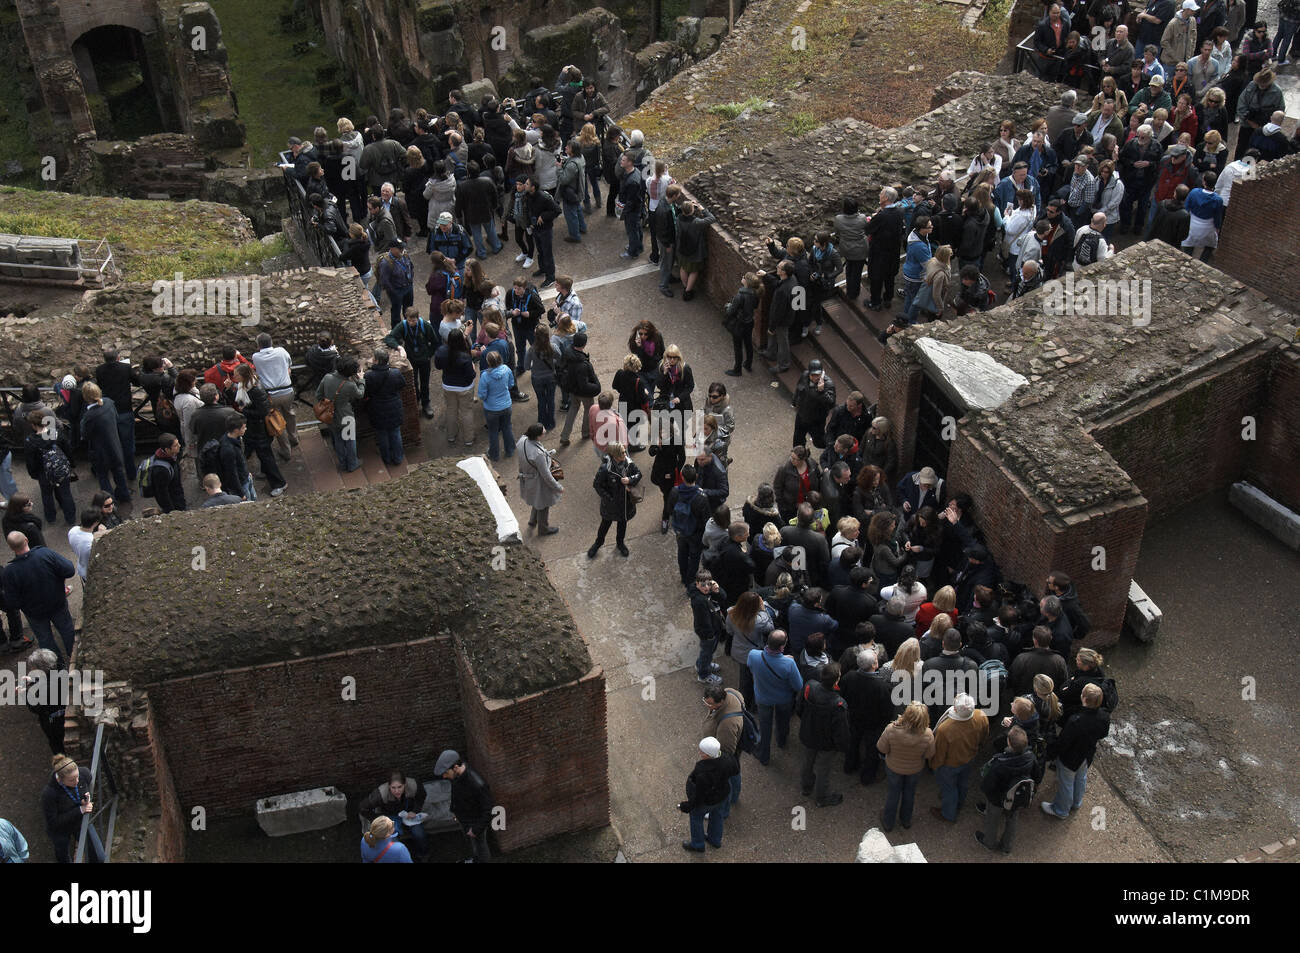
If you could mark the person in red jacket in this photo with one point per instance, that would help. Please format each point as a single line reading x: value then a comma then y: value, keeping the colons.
x: 222, y: 373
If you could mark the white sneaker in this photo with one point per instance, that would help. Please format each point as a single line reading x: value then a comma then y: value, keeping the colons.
x: 278, y: 491
x: 521, y: 256
x: 528, y: 263
x: 709, y: 680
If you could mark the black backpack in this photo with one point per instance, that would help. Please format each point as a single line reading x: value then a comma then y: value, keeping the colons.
x: 56, y: 465
x: 1020, y: 794
x: 1085, y: 253
x: 750, y: 735
x: 210, y: 457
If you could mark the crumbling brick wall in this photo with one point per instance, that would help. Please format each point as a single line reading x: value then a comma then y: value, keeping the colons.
x: 1260, y: 240
x: 1274, y: 461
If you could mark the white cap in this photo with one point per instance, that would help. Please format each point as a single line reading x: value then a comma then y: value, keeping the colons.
x: 1190, y: 5
x: 711, y: 747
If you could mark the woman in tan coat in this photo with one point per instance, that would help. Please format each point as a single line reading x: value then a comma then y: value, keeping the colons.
x: 906, y: 744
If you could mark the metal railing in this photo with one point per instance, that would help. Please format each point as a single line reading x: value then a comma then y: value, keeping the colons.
x: 93, y: 264
x: 321, y: 243
x: 1025, y: 52
x: 101, y: 778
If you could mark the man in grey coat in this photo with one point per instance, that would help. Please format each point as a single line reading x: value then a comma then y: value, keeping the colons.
x: 537, y: 487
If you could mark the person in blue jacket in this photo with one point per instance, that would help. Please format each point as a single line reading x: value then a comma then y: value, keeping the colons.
x: 494, y: 386
x: 776, y: 683
x: 380, y: 845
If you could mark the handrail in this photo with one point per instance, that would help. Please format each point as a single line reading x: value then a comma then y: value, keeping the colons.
x: 1025, y: 48
x: 88, y: 820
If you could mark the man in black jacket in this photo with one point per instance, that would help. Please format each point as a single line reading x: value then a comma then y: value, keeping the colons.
x: 1002, y: 773
x: 866, y: 689
x: 885, y: 231
x: 814, y: 396
x: 947, y: 675
x: 418, y: 340
x: 688, y: 510
x: 630, y: 194
x: 734, y: 568
x: 851, y: 417
x: 1053, y: 617
x: 234, y: 464
x: 579, y: 379
x: 711, y: 475
x: 476, y: 201
x: 781, y: 316
x: 708, y: 793
x: 663, y: 221
x: 1038, y: 660
x: 471, y: 802
x: 116, y: 378
x: 1074, y: 750
x: 892, y: 628
x: 165, y: 474
x: 542, y: 211
x: 850, y: 605
x: 816, y: 551
x: 99, y: 430
x: 824, y: 731
x: 707, y: 599
x: 1061, y: 586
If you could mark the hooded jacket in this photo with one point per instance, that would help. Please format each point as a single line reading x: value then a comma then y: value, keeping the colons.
x: 824, y: 724
x: 1003, y: 770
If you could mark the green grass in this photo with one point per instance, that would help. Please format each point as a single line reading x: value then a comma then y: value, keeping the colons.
x: 150, y: 240
x: 732, y: 110
x: 801, y: 123
x: 277, y: 88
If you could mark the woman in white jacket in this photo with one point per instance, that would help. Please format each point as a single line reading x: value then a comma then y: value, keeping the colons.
x: 440, y: 190
x: 1017, y: 221
x: 1110, y: 192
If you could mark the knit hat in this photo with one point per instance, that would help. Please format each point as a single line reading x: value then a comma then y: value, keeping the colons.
x: 446, y: 761
x: 711, y: 747
x: 68, y: 383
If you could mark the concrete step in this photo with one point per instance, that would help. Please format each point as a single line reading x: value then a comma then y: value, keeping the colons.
x: 857, y: 334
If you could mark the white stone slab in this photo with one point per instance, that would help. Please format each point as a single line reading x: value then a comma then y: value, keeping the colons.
x: 876, y: 849
x: 972, y: 379
x: 507, y: 525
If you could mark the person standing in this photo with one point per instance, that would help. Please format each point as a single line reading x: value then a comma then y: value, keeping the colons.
x: 418, y: 341
x: 823, y: 730
x: 884, y: 231
x: 115, y: 379
x: 538, y: 486
x: 708, y: 795
x: 165, y: 482
x: 689, y: 511
x: 384, y: 385
x: 252, y: 401
x: 613, y: 483
x: 960, y: 732
x: 542, y: 212
x: 456, y: 362
x: 850, y: 232
x: 725, y: 721
x: 345, y: 388
x: 494, y: 387
x: 1004, y: 772
x: 1074, y: 751
x: 906, y: 743
x: 776, y: 683
x: 578, y: 379
x: 738, y: 320
x: 866, y: 690
x: 629, y: 197
x: 48, y: 464
x: 397, y: 277
x: 34, y: 582
x: 707, y: 600
x: 471, y: 802
x: 814, y: 398
x: 569, y: 186
x: 99, y: 429
x: 64, y: 802
x: 273, y: 366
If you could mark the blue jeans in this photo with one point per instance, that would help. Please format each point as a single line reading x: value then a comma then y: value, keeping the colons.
x: 1070, y: 786
x: 632, y: 224
x: 545, y: 392
x: 953, y: 784
x: 390, y: 445
x: 1286, y: 31
x: 61, y: 620
x: 910, y: 290
x: 689, y: 551
x: 397, y: 301
x: 346, y: 451
x: 901, y: 795
x: 573, y: 218
x: 545, y: 252
x: 415, y: 833
x: 767, y: 715
x: 485, y: 237
x: 498, y: 423
x: 123, y: 489
x: 7, y: 485
x: 126, y: 436
x: 732, y: 801
x: 704, y: 662
x: 716, y: 819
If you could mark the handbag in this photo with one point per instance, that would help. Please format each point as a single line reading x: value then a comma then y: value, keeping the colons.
x: 275, y: 424
x: 557, y: 472
x: 324, y: 408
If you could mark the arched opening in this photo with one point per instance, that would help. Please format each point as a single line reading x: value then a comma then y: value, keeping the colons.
x: 114, y: 67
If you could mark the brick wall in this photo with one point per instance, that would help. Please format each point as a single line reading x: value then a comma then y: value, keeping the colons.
x: 546, y: 757
x: 900, y: 401
x: 169, y: 845
x: 1260, y: 240
x: 236, y: 736
x: 1188, y: 441
x: 1028, y: 542
x: 1273, y: 462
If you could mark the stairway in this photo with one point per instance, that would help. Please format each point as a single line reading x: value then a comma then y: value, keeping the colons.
x: 848, y: 348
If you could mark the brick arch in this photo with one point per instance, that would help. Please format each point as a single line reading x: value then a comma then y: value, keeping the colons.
x: 82, y: 16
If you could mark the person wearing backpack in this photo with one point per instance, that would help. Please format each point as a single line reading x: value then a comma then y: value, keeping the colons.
x: 728, y: 721
x: 418, y: 342
x: 160, y: 475
x: 580, y: 381
x: 1088, y: 671
x: 1009, y: 773
x: 382, y: 160
x: 1089, y: 244
x: 1075, y: 748
x: 823, y: 731
x: 49, y: 465
x: 688, y: 510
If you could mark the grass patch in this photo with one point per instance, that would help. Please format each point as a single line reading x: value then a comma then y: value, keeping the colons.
x: 802, y: 123
x: 150, y: 239
x: 277, y: 87
x: 732, y: 110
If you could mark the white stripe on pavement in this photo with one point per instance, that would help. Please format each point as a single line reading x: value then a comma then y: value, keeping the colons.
x: 636, y: 271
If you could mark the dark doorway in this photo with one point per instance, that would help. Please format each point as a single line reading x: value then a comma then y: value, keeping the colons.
x: 931, y: 448
x: 114, y: 67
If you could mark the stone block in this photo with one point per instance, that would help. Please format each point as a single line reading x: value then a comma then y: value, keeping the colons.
x: 475, y: 91
x: 875, y: 848
x: 1142, y: 616
x: 687, y: 32
x: 1261, y: 508
x: 443, y: 48
x: 432, y: 16
x: 711, y: 32
x: 312, y: 810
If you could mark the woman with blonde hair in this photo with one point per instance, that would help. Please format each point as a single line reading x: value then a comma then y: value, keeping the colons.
x: 1212, y: 155
x: 905, y: 673
x: 932, y: 299
x: 675, y: 381
x: 252, y: 401
x: 906, y: 743
x: 943, y: 603
x: 589, y: 143
x: 1048, y: 706
x: 379, y: 844
x: 64, y: 802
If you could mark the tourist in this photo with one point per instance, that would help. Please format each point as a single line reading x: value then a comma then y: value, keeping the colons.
x: 100, y: 431
x: 494, y: 387
x: 794, y: 480
x: 523, y: 306
x: 542, y: 210
x: 417, y: 341
x: 708, y: 795
x: 589, y: 142
x: 578, y: 378
x: 166, y: 485
x: 49, y: 465
x: 1038, y: 660
x: 958, y: 737
x: 65, y: 801
x: 20, y: 517
x: 384, y: 385
x: 1011, y: 769
x: 749, y: 622
x: 82, y: 537
x: 544, y: 375
x: 1075, y: 749
x: 726, y: 722
x: 115, y: 378
x: 852, y: 420
x: 379, y: 844
x: 398, y: 800
x: 850, y: 233
x: 906, y: 743
x: 569, y: 187
x: 823, y: 731
x: 215, y: 496
x: 629, y: 200
x: 688, y: 511
x: 538, y: 486
x: 814, y: 397
x: 454, y: 359
x: 345, y: 388
x: 613, y: 483
x: 776, y: 683
x: 471, y: 802
x: 252, y: 402
x: 656, y: 188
